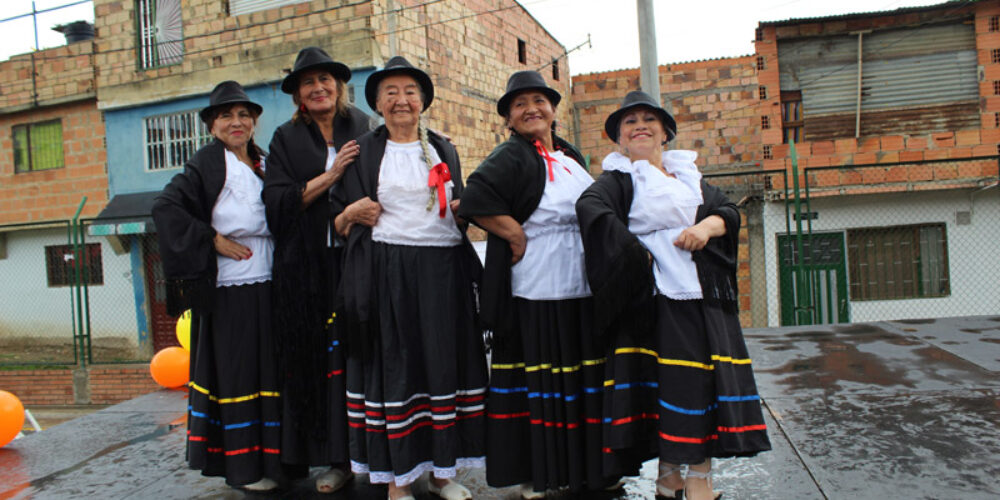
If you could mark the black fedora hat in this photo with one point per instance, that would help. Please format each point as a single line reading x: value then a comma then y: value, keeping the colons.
x: 398, y: 65
x: 639, y: 99
x: 226, y: 93
x: 526, y: 80
x: 313, y: 58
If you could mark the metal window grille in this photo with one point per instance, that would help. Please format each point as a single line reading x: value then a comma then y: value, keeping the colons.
x: 995, y: 55
x: 996, y: 120
x: 901, y: 262
x: 994, y: 23
x: 170, y: 140
x: 996, y: 87
x: 762, y: 92
x: 160, y: 33
x: 767, y: 152
x: 765, y: 122
x: 760, y: 63
x: 38, y: 146
x: 60, y: 260
x: 759, y: 35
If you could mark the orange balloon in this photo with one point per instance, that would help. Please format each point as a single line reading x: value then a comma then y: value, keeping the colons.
x: 170, y: 367
x: 11, y: 417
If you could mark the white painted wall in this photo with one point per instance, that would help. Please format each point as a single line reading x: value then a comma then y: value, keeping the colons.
x: 30, y: 308
x: 973, y: 256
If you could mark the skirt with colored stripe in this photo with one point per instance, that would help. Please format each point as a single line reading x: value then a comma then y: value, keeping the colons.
x: 234, y: 414
x: 416, y: 400
x: 301, y: 444
x: 690, y: 389
x: 545, y: 398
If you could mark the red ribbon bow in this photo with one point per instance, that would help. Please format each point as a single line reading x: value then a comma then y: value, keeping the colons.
x: 438, y: 176
x: 549, y: 160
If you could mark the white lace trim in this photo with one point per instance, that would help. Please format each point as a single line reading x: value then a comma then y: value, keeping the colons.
x: 243, y: 281
x: 687, y: 295
x: 380, y: 477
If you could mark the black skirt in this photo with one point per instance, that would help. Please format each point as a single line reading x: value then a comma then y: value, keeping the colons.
x: 544, y: 408
x: 690, y: 389
x: 301, y: 444
x: 416, y: 397
x: 234, y: 427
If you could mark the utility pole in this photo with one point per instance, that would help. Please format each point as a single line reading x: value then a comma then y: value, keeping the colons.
x: 649, y: 72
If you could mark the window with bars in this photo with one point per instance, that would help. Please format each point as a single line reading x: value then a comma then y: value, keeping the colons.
x: 760, y: 63
x: 996, y: 120
x: 995, y: 55
x: 996, y: 87
x: 171, y: 139
x: 759, y: 35
x: 160, y: 33
x: 762, y: 92
x: 767, y: 152
x: 994, y: 23
x: 791, y: 116
x: 765, y: 122
x: 38, y: 146
x: 61, y: 270
x: 902, y: 262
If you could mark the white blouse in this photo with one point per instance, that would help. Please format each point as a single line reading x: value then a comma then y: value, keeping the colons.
x: 663, y: 207
x: 553, y: 267
x: 403, y: 194
x: 238, y: 214
x: 331, y: 155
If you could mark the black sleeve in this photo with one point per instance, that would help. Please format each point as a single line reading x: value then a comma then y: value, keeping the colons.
x: 185, y: 240
x: 618, y: 266
x: 491, y: 188
x: 723, y: 249
x: 282, y: 193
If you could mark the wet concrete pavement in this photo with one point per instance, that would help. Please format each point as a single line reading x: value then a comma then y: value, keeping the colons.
x: 904, y: 409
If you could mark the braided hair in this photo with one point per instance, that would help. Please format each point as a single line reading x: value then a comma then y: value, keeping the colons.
x: 428, y: 159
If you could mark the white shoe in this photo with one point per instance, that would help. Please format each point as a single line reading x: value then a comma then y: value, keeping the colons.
x: 333, y: 480
x: 265, y: 484
x: 450, y: 491
x: 528, y: 492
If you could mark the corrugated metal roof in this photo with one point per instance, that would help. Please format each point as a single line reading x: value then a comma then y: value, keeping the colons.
x: 856, y: 15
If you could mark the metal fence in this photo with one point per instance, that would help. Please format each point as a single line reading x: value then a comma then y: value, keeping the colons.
x: 854, y: 243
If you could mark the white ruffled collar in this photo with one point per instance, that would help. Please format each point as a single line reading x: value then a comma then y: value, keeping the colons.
x: 676, y: 161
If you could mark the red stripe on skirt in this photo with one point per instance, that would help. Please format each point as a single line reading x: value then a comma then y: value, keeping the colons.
x: 509, y: 415
x: 407, y: 432
x: 690, y: 440
x: 634, y: 418
x: 405, y: 415
x: 745, y: 428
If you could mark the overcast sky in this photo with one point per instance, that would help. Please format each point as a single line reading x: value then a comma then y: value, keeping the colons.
x: 686, y: 30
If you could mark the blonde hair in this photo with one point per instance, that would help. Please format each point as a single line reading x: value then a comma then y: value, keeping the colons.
x: 340, y: 106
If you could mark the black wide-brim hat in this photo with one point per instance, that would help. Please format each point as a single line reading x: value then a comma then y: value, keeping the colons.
x: 311, y: 58
x: 639, y: 99
x: 398, y: 65
x: 522, y: 81
x: 228, y: 93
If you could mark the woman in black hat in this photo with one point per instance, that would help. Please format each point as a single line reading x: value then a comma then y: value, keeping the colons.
x: 308, y: 156
x: 544, y: 408
x: 216, y: 251
x: 682, y: 379
x: 416, y: 371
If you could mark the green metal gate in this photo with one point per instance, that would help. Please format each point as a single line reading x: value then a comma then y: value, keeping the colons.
x: 813, y: 291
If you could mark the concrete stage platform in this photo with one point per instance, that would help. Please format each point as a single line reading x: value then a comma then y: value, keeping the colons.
x: 897, y: 409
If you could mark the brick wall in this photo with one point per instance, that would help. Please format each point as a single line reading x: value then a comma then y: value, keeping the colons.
x: 39, y: 387
x: 114, y: 384
x: 61, y: 73
x: 714, y: 103
x: 107, y: 385
x: 891, y: 148
x: 250, y: 48
x: 55, y: 194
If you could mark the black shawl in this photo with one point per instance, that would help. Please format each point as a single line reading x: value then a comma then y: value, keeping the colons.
x: 182, y: 213
x: 362, y: 181
x: 302, y: 296
x: 510, y: 181
x: 618, y: 266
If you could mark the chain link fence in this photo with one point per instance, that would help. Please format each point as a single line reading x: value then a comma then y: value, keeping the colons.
x: 896, y: 241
